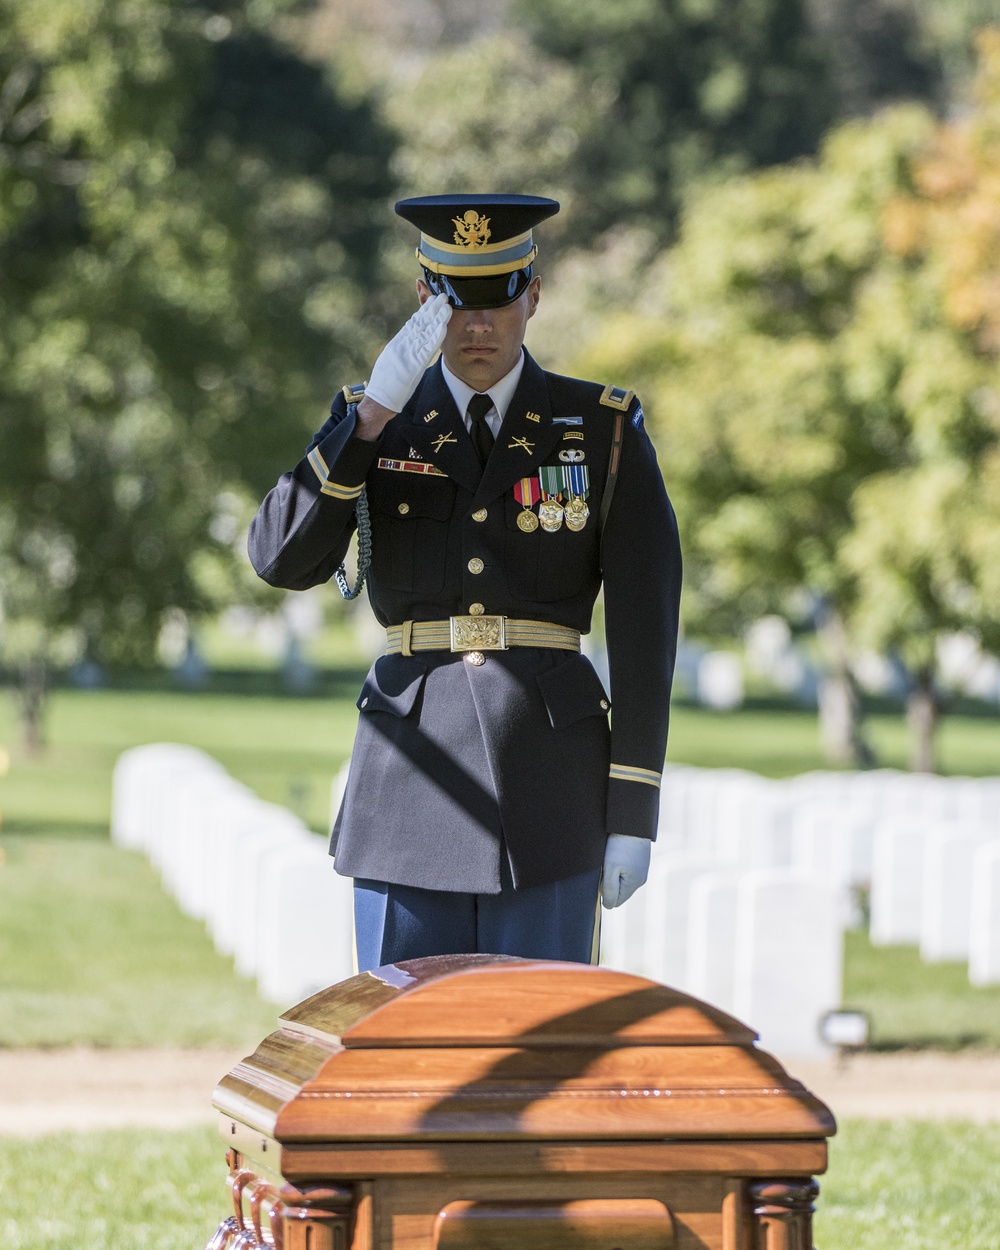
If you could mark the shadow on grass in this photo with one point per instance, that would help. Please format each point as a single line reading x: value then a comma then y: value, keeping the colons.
x: 54, y: 827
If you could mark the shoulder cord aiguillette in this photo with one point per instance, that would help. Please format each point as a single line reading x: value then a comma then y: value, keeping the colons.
x: 364, y: 541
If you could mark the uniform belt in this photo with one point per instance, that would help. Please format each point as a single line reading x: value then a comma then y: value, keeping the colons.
x: 478, y: 633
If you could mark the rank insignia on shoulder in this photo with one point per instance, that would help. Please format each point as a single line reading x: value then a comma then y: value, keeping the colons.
x: 567, y: 420
x: 637, y: 417
x: 354, y: 394
x: 617, y: 397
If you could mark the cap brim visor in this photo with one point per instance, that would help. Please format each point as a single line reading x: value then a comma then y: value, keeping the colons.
x: 492, y: 292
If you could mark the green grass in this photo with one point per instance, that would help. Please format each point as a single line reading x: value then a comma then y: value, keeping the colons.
x: 92, y: 950
x: 913, y: 1003
x: 112, y: 1191
x: 922, y: 1186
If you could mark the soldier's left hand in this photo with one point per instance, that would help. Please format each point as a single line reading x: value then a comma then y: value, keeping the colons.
x: 626, y: 866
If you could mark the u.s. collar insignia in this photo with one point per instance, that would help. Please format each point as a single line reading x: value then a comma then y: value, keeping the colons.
x: 532, y: 416
x: 572, y: 455
x: 471, y: 230
x: 430, y: 415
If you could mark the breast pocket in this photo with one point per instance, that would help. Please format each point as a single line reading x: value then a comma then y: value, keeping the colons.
x: 544, y: 567
x: 411, y: 517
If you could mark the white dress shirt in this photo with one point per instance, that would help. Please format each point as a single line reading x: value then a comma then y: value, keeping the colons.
x: 501, y: 393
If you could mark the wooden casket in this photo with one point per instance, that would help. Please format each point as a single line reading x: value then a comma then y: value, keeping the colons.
x: 488, y: 1103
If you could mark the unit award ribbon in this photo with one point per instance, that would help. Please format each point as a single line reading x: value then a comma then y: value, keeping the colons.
x: 576, y: 484
x: 550, y: 511
x: 527, y: 492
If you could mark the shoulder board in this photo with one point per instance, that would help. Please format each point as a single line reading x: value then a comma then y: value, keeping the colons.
x: 617, y: 397
x: 354, y: 394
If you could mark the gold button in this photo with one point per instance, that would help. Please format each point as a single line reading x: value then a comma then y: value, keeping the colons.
x: 475, y: 657
x: 404, y: 509
x: 604, y: 705
x: 480, y: 514
x: 476, y: 565
x: 476, y: 609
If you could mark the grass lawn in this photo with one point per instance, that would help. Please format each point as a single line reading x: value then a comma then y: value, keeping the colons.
x: 890, y: 1185
x: 92, y: 950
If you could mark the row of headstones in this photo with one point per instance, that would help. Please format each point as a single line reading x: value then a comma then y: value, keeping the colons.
x: 925, y: 849
x: 261, y: 881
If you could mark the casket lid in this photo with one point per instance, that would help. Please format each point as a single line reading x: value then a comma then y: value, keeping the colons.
x: 472, y: 1047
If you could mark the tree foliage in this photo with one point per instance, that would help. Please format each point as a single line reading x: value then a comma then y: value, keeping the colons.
x: 824, y: 425
x: 186, y: 219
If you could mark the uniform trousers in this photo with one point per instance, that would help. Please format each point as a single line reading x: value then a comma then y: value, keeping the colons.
x: 552, y: 921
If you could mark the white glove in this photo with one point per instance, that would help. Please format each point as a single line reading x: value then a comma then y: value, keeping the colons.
x: 626, y: 866
x: 403, y: 360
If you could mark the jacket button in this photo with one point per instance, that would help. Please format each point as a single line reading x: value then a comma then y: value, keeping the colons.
x: 404, y: 509
x: 604, y: 705
x: 475, y: 657
x: 476, y: 609
x: 364, y: 701
x: 476, y: 565
x: 480, y: 514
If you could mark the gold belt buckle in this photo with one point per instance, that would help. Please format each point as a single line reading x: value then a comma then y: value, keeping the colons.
x: 478, y: 633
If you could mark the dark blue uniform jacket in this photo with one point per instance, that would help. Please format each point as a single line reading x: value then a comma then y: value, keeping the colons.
x: 455, y: 765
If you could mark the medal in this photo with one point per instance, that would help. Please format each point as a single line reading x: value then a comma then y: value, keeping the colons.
x: 576, y: 484
x: 550, y: 513
x: 576, y: 511
x: 527, y: 493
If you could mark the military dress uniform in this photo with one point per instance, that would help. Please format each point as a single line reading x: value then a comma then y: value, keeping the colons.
x: 488, y: 755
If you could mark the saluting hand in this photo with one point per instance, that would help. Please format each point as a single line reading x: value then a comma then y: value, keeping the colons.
x: 626, y: 866
x: 401, y: 364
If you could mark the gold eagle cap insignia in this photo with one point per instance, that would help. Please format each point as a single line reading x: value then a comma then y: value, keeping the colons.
x: 471, y: 230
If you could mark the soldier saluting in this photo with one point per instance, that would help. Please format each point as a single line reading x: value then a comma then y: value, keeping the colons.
x: 487, y: 789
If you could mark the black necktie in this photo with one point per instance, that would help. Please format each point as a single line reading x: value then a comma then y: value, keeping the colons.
x: 482, y: 435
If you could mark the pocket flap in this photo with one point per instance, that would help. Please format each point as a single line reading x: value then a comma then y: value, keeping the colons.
x: 392, y: 685
x: 572, y: 690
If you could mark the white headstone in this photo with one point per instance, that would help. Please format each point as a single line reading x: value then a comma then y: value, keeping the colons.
x: 666, y: 921
x: 789, y: 958
x: 897, y: 880
x: 711, y: 948
x: 306, y: 931
x: 720, y: 680
x: 984, y: 915
x: 946, y: 901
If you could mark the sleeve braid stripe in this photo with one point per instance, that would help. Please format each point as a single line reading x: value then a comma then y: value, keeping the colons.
x: 626, y: 772
x: 346, y: 493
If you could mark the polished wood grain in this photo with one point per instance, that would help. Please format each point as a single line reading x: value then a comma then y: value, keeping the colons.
x: 577, y: 1224
x: 784, y: 1211
x: 410, y: 1208
x: 468, y: 1103
x: 520, y: 1159
x: 484, y: 1000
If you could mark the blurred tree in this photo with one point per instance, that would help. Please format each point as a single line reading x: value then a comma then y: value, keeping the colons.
x: 692, y: 86
x: 188, y: 213
x: 809, y: 392
x: 496, y: 115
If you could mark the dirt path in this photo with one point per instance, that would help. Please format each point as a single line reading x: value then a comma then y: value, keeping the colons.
x: 49, y: 1091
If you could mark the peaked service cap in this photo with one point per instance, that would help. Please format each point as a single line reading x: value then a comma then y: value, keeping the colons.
x: 477, y: 249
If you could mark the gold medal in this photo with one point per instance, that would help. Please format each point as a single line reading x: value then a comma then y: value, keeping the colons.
x: 527, y: 521
x: 577, y: 512
x: 550, y: 513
